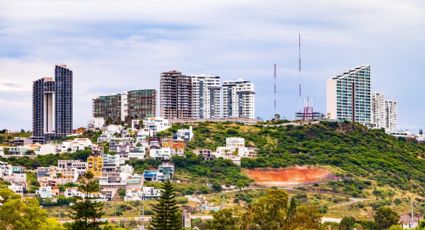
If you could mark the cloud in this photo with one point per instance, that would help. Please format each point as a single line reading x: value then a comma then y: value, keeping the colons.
x: 113, y: 46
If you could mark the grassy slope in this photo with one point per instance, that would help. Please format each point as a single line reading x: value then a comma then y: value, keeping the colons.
x: 370, y: 154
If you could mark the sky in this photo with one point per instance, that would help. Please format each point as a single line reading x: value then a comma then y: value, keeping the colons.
x: 114, y: 46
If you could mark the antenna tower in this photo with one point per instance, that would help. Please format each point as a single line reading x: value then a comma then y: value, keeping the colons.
x: 274, y: 84
x: 299, y: 64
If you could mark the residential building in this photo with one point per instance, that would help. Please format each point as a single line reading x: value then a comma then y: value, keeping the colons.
x: 112, y: 108
x: 383, y: 113
x: 63, y: 100
x: 349, y: 96
x: 95, y: 165
x: 391, y: 123
x: 177, y: 146
x: 206, y: 154
x: 77, y: 144
x: 52, y: 105
x: 78, y: 165
x: 235, y: 150
x: 151, y: 193
x: 189, y: 96
x: 378, y: 110
x: 238, y: 99
x: 205, y: 96
x: 18, y: 189
x: 111, y: 164
x: 184, y: 134
x: 134, y: 104
x: 156, y: 124
x: 160, y: 154
x: 43, y: 106
x: 141, y: 103
x: 96, y: 123
x: 45, y: 192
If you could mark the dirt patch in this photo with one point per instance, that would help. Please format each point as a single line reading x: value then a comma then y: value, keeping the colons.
x: 289, y: 176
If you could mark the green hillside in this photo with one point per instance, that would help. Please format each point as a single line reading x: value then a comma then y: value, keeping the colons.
x: 358, y: 151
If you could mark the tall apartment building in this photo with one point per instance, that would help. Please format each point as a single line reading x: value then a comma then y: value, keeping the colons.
x: 349, y: 97
x: 378, y: 110
x: 111, y: 107
x: 141, y: 103
x: 168, y: 91
x: 205, y: 96
x: 391, y: 122
x: 189, y: 96
x: 63, y: 100
x: 238, y: 99
x: 52, y: 105
x: 135, y: 104
x: 384, y: 113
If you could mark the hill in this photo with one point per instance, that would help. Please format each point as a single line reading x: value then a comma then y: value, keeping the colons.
x: 351, y: 148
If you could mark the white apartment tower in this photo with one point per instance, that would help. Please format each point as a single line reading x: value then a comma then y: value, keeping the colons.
x: 238, y: 99
x: 348, y: 96
x: 378, y: 110
x: 391, y: 116
x: 205, y: 96
x: 384, y: 113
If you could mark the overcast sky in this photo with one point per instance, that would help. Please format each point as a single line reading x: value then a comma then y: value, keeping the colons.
x: 113, y: 46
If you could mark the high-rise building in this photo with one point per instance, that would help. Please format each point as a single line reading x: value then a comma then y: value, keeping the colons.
x: 63, y: 100
x: 205, y: 96
x: 52, y: 105
x: 168, y: 91
x: 110, y: 107
x: 391, y: 116
x: 134, y: 104
x: 141, y: 103
x: 384, y: 113
x: 43, y: 107
x: 348, y: 96
x: 238, y: 99
x: 378, y: 110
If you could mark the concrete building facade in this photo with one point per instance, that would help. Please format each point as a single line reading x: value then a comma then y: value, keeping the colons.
x: 349, y: 96
x: 238, y: 99
x: 52, y: 103
x: 134, y: 104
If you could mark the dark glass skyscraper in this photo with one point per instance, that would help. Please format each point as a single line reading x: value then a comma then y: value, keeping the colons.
x: 52, y: 105
x: 63, y: 79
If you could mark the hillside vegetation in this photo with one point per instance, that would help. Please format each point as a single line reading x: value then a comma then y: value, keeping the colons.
x: 358, y: 151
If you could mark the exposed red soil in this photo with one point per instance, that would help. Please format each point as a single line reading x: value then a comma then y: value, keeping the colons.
x: 289, y: 176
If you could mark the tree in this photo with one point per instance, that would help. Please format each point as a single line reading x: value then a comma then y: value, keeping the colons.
x: 385, y: 218
x: 306, y: 217
x: 347, y: 223
x: 396, y: 227
x: 167, y: 214
x: 86, y: 212
x: 267, y: 212
x: 223, y: 220
x: 18, y: 213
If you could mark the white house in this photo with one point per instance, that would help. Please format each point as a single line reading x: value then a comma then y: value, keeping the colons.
x: 235, y: 150
x: 18, y: 189
x: 160, y: 154
x: 96, y: 123
x: 156, y: 124
x: 184, y: 134
x: 45, y: 192
x: 137, y: 152
x: 74, y: 145
x: 45, y: 149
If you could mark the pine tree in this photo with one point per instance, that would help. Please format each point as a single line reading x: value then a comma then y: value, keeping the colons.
x: 167, y: 214
x: 86, y: 212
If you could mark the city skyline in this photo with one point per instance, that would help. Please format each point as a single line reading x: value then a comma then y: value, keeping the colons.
x: 204, y: 42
